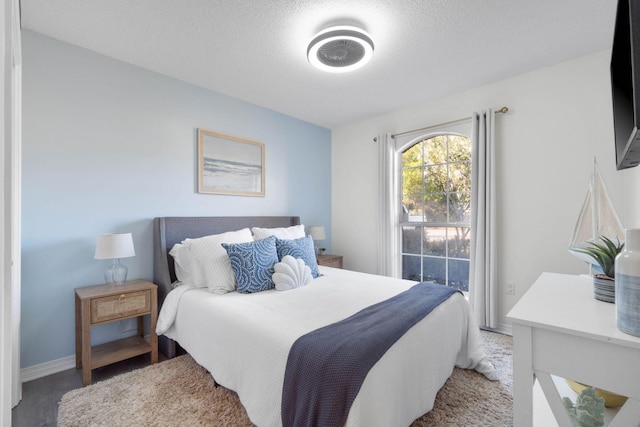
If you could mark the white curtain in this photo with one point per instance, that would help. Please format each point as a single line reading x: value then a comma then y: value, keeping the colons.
x: 483, y: 271
x: 387, y: 207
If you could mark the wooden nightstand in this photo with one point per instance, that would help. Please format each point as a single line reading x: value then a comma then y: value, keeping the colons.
x: 334, y: 261
x: 96, y: 305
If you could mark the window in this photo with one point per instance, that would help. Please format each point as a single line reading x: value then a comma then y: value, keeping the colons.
x: 436, y: 210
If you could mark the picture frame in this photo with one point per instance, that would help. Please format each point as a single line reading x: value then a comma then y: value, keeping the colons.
x: 230, y: 165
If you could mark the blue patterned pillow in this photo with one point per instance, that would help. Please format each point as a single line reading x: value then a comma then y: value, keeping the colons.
x: 252, y: 263
x: 299, y: 248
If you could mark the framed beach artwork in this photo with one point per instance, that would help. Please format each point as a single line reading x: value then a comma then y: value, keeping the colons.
x: 229, y: 165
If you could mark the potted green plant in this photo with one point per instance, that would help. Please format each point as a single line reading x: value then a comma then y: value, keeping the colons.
x: 604, y: 252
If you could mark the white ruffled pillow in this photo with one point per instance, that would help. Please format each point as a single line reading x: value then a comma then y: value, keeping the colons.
x: 284, y: 233
x: 291, y: 273
x: 213, y: 257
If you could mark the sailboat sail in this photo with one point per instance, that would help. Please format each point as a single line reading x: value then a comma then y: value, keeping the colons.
x: 597, y: 218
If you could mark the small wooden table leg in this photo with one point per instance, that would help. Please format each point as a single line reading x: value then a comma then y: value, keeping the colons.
x: 154, y: 318
x: 86, y: 342
x: 78, y: 333
x: 140, y: 326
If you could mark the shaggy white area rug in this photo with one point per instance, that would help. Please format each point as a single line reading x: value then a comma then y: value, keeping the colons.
x: 179, y: 392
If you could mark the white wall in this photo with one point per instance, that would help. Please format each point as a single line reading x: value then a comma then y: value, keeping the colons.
x: 559, y: 118
x: 632, y: 204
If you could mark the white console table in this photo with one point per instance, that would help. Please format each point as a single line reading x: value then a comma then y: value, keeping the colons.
x: 560, y: 329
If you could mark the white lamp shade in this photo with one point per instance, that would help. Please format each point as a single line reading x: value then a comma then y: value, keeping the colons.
x: 317, y: 232
x: 114, y: 245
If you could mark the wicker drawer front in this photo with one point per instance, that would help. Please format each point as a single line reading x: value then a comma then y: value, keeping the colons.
x: 118, y: 306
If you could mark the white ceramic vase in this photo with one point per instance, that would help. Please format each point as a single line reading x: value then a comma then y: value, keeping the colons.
x: 628, y: 284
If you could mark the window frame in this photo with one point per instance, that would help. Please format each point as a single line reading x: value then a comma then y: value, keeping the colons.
x: 461, y: 130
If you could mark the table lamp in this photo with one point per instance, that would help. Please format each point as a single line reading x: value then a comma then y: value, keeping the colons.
x: 317, y: 233
x: 115, y: 246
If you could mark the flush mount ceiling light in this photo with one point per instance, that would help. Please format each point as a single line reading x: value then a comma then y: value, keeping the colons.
x: 340, y: 49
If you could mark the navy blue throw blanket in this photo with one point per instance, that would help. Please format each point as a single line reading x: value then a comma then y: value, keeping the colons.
x: 326, y: 367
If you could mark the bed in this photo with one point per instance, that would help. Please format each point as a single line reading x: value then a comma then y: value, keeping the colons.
x: 244, y: 340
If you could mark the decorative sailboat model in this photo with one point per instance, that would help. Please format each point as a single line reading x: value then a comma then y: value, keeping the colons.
x: 597, y: 218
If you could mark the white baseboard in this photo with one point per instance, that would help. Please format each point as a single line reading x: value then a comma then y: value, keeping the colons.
x: 503, y: 328
x: 34, y: 372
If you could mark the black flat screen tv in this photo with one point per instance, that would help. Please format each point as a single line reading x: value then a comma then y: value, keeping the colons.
x: 625, y: 83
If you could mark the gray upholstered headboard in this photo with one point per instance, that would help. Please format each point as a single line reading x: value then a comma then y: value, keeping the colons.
x: 167, y: 231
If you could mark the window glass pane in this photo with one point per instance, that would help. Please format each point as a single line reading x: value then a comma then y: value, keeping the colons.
x: 411, y: 268
x: 460, y: 207
x: 411, y: 240
x: 459, y: 148
x: 435, y: 207
x: 412, y: 208
x: 412, y: 181
x: 435, y: 150
x: 459, y: 242
x: 412, y: 156
x: 435, y: 241
x: 459, y: 274
x: 435, y: 179
x: 434, y: 269
x: 460, y: 176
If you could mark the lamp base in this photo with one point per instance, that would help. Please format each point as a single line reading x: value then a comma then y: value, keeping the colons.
x: 116, y: 273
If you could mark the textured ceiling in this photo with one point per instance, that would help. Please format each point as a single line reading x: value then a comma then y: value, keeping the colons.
x: 254, y: 50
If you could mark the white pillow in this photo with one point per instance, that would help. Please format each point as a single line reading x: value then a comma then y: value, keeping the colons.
x: 188, y: 269
x: 208, y: 251
x: 283, y: 233
x: 291, y: 273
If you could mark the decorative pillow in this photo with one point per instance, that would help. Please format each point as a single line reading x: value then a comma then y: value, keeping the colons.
x: 293, y: 232
x: 291, y: 273
x: 209, y: 252
x: 299, y: 248
x: 187, y: 267
x: 253, y: 264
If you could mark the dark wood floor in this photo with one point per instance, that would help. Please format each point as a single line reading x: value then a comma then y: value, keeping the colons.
x: 39, y: 404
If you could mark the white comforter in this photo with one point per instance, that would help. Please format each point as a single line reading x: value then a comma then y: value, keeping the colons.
x: 244, y: 341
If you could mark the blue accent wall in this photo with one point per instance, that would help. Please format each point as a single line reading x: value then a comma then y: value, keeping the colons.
x: 107, y: 147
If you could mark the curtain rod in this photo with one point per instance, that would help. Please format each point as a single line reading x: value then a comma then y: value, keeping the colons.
x: 501, y: 110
